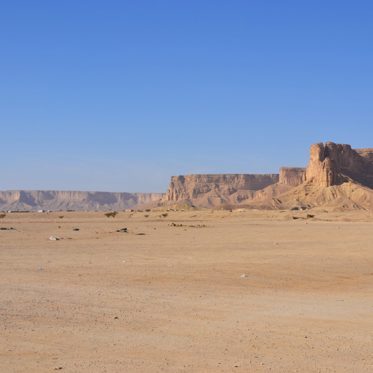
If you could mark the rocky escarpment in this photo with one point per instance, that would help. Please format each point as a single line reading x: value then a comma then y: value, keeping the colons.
x: 337, y: 176
x: 72, y: 200
x: 217, y: 190
x: 334, y: 164
x: 292, y: 175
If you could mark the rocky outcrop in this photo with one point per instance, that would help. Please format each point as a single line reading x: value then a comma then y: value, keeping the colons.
x: 337, y: 178
x: 72, y: 200
x: 292, y: 175
x: 333, y: 164
x: 337, y: 175
x: 216, y: 190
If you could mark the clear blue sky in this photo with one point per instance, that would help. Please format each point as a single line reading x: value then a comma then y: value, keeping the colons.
x: 120, y: 95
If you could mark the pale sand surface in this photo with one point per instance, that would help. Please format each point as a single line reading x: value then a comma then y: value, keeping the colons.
x: 173, y: 300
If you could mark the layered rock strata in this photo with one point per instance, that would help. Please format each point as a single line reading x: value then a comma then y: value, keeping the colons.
x: 205, y: 190
x: 330, y: 166
x: 336, y: 175
x: 292, y: 175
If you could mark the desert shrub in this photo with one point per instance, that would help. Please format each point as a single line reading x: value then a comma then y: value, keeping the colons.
x: 111, y: 214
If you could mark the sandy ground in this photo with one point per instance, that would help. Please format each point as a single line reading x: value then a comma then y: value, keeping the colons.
x: 243, y: 291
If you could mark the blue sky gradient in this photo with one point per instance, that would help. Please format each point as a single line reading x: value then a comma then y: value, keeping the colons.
x: 120, y: 95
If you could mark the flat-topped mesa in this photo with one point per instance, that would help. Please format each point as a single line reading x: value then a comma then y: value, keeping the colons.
x: 293, y: 176
x: 219, y: 186
x: 333, y: 164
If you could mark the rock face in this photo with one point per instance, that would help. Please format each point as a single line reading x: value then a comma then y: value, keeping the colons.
x: 71, y: 200
x: 333, y: 164
x: 337, y: 176
x: 292, y: 175
x: 215, y: 190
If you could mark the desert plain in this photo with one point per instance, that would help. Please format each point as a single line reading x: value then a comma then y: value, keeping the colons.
x: 187, y: 291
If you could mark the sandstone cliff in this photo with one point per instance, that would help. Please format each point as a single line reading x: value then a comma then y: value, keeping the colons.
x: 217, y: 190
x: 292, y: 175
x: 72, y: 200
x: 337, y: 176
x: 333, y: 164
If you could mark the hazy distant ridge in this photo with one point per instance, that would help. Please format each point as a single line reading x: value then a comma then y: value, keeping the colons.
x: 74, y: 200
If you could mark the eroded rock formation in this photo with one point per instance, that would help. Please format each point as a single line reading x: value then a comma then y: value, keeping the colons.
x: 292, y: 175
x: 337, y: 175
x: 333, y: 164
x: 215, y: 190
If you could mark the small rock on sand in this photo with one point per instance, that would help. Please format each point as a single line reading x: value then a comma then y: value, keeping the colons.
x: 54, y: 238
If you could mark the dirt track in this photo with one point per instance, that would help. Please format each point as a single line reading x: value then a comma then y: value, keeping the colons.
x: 174, y: 299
